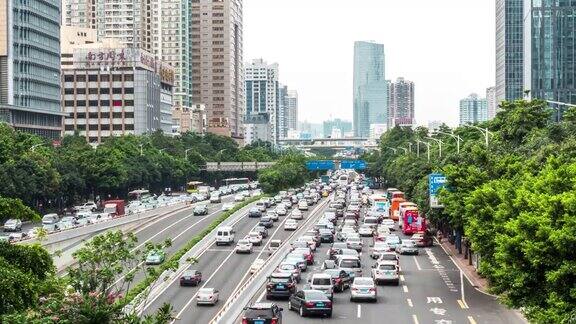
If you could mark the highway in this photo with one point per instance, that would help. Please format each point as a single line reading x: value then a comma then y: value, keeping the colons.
x: 222, y: 269
x: 179, y: 227
x: 432, y: 290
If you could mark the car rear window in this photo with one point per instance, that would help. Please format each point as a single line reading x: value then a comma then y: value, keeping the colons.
x: 350, y: 264
x: 279, y: 280
x: 274, y: 244
x: 318, y: 295
x: 321, y: 281
x: 255, y: 313
x: 387, y: 267
x: 389, y: 257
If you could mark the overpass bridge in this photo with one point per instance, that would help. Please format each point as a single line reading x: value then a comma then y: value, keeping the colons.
x: 335, y: 143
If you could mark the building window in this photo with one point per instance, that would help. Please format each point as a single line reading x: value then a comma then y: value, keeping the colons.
x: 92, y: 127
x: 129, y: 90
x: 117, y: 127
x: 93, y: 90
x: 117, y: 115
x: 104, y: 115
x: 93, y: 103
x: 81, y: 116
x: 104, y: 78
x: 129, y: 77
x: 117, y: 90
x: 69, y: 127
x: 93, y: 115
x: 69, y: 78
x: 129, y: 114
x: 128, y: 103
x: 104, y: 90
x: 81, y: 103
x: 117, y: 77
x: 129, y: 126
x: 105, y: 127
x: 81, y: 90
x: 80, y: 78
x: 104, y: 103
x: 69, y: 91
x: 93, y: 77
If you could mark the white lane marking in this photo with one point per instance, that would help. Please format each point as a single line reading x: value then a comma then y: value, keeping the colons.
x: 402, y: 278
x: 261, y: 296
x: 462, y: 289
x: 415, y: 319
x: 409, y: 301
x: 359, y: 311
x: 405, y: 288
x: 462, y: 305
x: 471, y: 320
x: 417, y: 264
x: 456, y: 264
x: 179, y: 315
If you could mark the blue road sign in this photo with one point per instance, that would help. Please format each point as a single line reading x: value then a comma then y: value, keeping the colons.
x: 315, y: 165
x: 436, y: 181
x: 353, y: 164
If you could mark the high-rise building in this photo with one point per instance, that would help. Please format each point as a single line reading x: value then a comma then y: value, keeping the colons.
x: 473, y: 110
x: 401, y: 103
x: 376, y: 130
x: 434, y: 125
x: 509, y: 49
x: 290, y: 111
x: 370, y: 87
x: 110, y: 89
x: 492, y: 103
x: 313, y: 130
x: 282, y: 111
x: 217, y: 64
x: 550, y: 50
x: 262, y: 101
x: 343, y: 125
x: 30, y: 66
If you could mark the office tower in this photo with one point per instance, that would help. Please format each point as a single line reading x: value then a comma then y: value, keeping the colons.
x: 509, y: 49
x: 111, y: 89
x: 473, y: 110
x: 292, y: 110
x: 217, y: 64
x: 492, y: 104
x: 550, y: 51
x: 30, y: 66
x: 401, y: 103
x: 287, y: 111
x: 370, y: 88
x: 343, y: 125
x: 262, y: 101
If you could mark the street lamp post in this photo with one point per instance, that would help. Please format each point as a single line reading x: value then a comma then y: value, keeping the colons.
x: 454, y: 136
x: 558, y: 113
x: 410, y: 147
x: 33, y: 147
x: 427, y: 148
x: 141, y: 149
x: 405, y: 149
x: 186, y: 153
x: 439, y: 144
x: 484, y: 131
x: 393, y: 149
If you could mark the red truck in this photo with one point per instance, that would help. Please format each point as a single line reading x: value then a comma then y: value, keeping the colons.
x: 413, y: 222
x: 114, y: 207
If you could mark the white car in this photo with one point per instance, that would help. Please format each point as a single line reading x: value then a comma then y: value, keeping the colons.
x: 365, y: 230
x: 296, y: 214
x: 322, y: 282
x: 290, y: 225
x: 303, y: 205
x: 386, y: 271
x: 227, y: 206
x: 13, y: 225
x: 281, y: 210
x: 239, y: 197
x: 244, y: 246
x: 389, y: 223
x: 378, y: 249
x: 363, y: 288
x: 256, y: 265
x: 273, y: 216
x: 255, y: 238
x: 207, y: 296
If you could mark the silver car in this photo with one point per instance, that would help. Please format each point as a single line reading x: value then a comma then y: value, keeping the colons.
x: 386, y: 272
x: 363, y: 288
x: 407, y: 247
x: 207, y: 296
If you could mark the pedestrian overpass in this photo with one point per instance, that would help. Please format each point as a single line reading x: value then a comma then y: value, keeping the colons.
x: 335, y: 143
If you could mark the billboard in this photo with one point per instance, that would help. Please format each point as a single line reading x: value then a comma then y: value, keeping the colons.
x: 315, y: 165
x: 436, y: 181
x: 353, y: 164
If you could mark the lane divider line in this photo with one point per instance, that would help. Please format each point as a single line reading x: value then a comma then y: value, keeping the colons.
x: 415, y: 319
x: 405, y: 288
x: 409, y: 301
x: 359, y: 311
x: 471, y: 320
x: 417, y: 263
x: 462, y: 304
x: 402, y: 278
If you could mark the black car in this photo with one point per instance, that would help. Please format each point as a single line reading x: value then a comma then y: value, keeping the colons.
x: 326, y: 236
x: 254, y: 212
x: 262, y: 230
x: 308, y: 302
x: 266, y: 221
x: 280, y: 284
x: 201, y: 210
x: 190, y: 278
x: 262, y: 313
x: 340, y: 279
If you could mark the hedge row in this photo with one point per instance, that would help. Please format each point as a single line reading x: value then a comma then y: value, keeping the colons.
x: 173, y: 261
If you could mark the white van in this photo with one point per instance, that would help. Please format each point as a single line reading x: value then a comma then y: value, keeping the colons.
x: 225, y: 235
x: 49, y: 219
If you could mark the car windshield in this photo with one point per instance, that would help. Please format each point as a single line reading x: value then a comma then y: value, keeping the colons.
x: 408, y: 243
x: 258, y: 313
x: 321, y: 281
x: 315, y: 295
x: 206, y: 291
x: 363, y: 282
x: 371, y: 221
x: 189, y: 273
x: 243, y: 242
x: 339, y: 245
x: 389, y: 256
x: 387, y: 267
x: 349, y: 263
x: 287, y: 266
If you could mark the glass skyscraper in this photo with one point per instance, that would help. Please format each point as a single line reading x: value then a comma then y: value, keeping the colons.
x: 509, y: 49
x: 550, y: 49
x: 370, y: 87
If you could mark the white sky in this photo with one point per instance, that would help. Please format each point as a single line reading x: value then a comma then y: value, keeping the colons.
x: 446, y: 47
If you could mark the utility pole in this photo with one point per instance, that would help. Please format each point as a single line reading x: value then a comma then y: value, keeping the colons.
x: 439, y: 144
x: 484, y: 131
x: 405, y: 149
x: 454, y: 136
x: 427, y: 148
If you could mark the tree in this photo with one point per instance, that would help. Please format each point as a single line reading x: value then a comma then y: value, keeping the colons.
x: 14, y: 208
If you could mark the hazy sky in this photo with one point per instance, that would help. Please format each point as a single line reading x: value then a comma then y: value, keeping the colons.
x: 446, y: 47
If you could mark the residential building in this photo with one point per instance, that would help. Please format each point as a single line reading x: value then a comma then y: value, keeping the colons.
x: 292, y: 109
x: 492, y: 103
x: 473, y: 110
x: 509, y: 49
x: 376, y: 131
x: 217, y: 64
x: 401, y: 103
x: 30, y: 66
x: 262, y: 101
x: 343, y: 125
x: 293, y: 134
x: 550, y: 51
x: 434, y: 125
x: 111, y: 90
x: 191, y: 119
x: 370, y: 87
x: 287, y: 111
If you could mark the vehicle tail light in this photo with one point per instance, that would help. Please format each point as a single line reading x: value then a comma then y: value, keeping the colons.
x: 328, y: 304
x: 373, y: 289
x: 354, y: 289
x: 244, y: 320
x: 309, y: 304
x: 274, y: 321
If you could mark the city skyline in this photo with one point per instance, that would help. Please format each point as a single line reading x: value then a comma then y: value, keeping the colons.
x: 323, y: 76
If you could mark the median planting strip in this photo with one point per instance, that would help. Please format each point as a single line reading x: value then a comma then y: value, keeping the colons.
x: 173, y: 262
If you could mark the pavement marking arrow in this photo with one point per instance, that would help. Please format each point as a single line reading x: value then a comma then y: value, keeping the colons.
x: 438, y: 311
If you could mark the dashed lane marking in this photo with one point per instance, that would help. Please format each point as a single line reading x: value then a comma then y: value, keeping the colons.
x: 401, y: 278
x: 462, y: 304
x: 471, y: 320
x: 405, y: 288
x: 415, y: 319
x: 359, y: 312
x: 409, y: 301
x: 417, y: 264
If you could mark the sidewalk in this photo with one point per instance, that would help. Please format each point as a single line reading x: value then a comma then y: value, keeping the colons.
x: 478, y: 282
